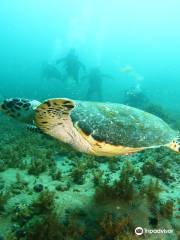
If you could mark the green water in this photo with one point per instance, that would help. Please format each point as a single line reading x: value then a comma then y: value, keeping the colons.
x: 96, y: 50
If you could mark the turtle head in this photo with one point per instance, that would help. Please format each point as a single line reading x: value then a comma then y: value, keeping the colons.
x: 19, y: 109
x: 175, y: 145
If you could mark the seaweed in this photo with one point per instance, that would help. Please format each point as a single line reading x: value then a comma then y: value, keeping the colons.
x: 166, y: 209
x: 44, y: 203
x: 4, y: 196
x: 113, y: 164
x: 56, y: 174
x: 97, y: 177
x: 91, y: 161
x: 46, y: 227
x: 77, y: 176
x: 157, y: 170
x: 78, y: 171
x: 124, y: 188
x: 22, y: 213
x: 41, y: 221
x: 19, y: 185
x: 116, y: 205
x: 152, y: 190
x: 114, y: 228
x: 21, y: 149
x: 40, y: 162
x: 37, y: 166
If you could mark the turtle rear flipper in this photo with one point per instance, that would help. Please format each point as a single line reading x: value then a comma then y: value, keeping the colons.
x: 175, y: 144
x: 19, y: 109
x: 52, y: 117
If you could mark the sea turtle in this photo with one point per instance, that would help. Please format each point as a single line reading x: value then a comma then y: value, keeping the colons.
x: 102, y: 129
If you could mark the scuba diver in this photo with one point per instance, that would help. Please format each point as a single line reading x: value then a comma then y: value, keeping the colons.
x: 95, y: 78
x: 72, y: 65
x: 135, y: 97
x: 50, y: 72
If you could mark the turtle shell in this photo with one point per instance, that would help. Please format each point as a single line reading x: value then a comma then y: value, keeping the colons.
x: 118, y: 124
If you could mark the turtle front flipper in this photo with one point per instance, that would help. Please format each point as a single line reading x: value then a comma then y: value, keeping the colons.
x: 52, y: 117
x: 19, y: 109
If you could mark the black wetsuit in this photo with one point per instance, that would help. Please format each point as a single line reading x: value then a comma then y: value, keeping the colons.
x: 72, y: 66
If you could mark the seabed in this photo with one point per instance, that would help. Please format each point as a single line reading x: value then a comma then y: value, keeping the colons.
x: 48, y: 191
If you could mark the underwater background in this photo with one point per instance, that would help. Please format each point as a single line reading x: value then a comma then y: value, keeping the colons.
x: 97, y: 50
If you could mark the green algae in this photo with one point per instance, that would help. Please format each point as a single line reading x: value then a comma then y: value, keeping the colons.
x: 112, y: 212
